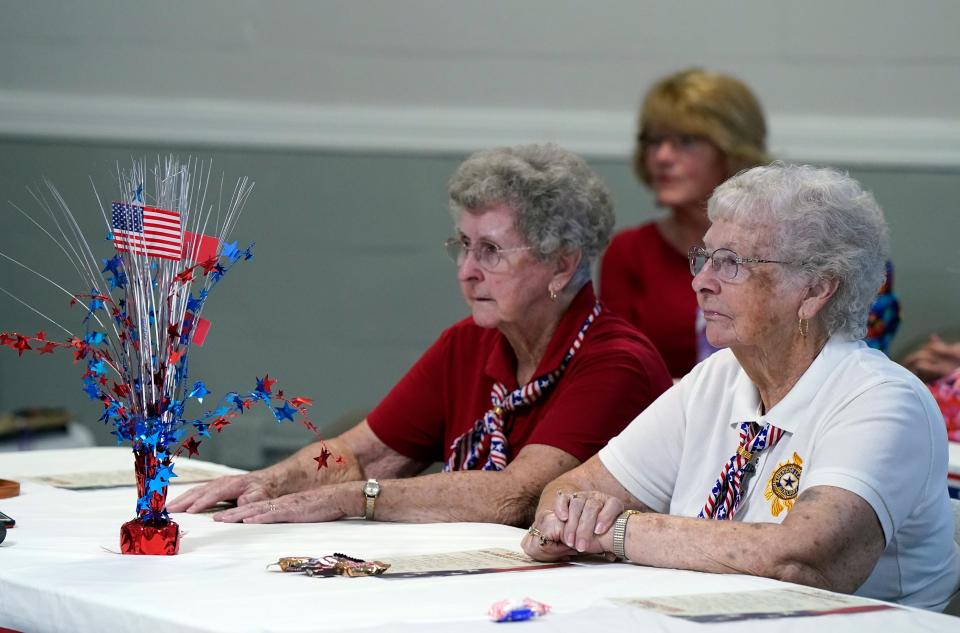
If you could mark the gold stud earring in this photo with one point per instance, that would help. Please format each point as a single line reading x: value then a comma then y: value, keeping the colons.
x: 553, y: 294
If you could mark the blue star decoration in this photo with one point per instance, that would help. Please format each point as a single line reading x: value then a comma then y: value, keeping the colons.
x: 199, y: 391
x: 165, y: 473
x: 193, y: 305
x: 156, y: 485
x: 112, y: 265
x: 285, y: 412
x: 230, y: 250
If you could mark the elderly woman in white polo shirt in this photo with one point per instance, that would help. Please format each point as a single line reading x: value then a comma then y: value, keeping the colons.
x: 797, y: 453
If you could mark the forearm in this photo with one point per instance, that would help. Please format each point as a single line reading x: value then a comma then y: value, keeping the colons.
x: 733, y: 547
x: 588, y: 477
x: 469, y: 496
x: 301, y: 471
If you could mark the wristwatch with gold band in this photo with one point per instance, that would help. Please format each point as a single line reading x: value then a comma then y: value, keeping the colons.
x: 371, y: 490
x: 620, y: 534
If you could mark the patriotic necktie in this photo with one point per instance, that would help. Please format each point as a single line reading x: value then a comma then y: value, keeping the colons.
x: 724, y: 499
x: 486, y: 442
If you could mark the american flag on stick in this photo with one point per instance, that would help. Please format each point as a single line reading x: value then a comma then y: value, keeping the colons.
x: 147, y: 231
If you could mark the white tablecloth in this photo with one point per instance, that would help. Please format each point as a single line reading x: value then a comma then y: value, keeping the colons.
x: 59, y: 572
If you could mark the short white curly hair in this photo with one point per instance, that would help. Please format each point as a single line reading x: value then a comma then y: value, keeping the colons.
x: 825, y: 220
x: 560, y: 203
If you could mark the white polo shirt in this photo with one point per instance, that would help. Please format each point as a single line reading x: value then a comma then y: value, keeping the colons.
x: 854, y: 420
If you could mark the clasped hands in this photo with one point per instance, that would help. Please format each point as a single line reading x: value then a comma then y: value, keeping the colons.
x: 578, y: 523
x: 260, y: 499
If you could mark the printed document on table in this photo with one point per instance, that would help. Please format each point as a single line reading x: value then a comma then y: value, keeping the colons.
x: 755, y: 605
x: 480, y: 561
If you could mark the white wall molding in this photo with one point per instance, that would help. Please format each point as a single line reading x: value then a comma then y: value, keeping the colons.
x: 822, y: 139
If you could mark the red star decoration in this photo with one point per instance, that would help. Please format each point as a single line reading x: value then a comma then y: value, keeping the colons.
x: 21, y: 345
x: 6, y: 339
x: 299, y: 402
x: 247, y: 404
x: 322, y: 459
x: 121, y: 389
x: 47, y: 348
x: 175, y: 356
x: 40, y: 336
x: 268, y: 384
x: 192, y: 445
x: 209, y: 264
x: 219, y: 423
x: 185, y: 276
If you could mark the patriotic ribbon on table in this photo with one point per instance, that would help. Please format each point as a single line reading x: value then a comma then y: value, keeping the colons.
x: 725, y: 496
x: 487, y: 442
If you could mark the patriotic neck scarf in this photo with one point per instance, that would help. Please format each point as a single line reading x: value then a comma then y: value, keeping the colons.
x: 486, y: 442
x: 724, y: 499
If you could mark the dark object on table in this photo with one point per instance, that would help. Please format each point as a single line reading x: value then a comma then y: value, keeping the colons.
x: 33, y: 421
x: 3, y: 533
x: 9, y: 488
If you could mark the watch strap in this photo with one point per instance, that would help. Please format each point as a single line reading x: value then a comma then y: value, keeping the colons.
x: 371, y: 490
x: 620, y: 534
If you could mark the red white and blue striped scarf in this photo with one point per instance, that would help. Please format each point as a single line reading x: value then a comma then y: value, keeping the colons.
x: 486, y: 442
x: 725, y: 496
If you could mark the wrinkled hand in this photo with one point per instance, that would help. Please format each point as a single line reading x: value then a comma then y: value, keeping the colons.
x: 574, y: 526
x: 935, y: 359
x: 312, y: 506
x: 247, y: 488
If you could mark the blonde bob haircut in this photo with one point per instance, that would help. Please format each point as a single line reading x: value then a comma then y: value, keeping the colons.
x: 715, y: 106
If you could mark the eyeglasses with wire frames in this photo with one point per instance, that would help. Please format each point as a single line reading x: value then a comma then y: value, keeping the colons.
x: 487, y: 254
x: 681, y: 142
x: 726, y: 263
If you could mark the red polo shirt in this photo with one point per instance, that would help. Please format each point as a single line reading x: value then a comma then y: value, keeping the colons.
x: 612, y: 378
x: 646, y: 280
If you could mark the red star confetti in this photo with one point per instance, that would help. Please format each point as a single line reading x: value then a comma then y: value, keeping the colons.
x: 322, y: 459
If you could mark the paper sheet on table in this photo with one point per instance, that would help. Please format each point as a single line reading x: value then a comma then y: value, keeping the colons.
x: 755, y: 605
x: 116, y: 478
x: 478, y: 561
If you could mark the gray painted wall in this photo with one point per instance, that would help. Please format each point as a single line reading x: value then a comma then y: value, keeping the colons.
x: 349, y: 283
x: 350, y: 116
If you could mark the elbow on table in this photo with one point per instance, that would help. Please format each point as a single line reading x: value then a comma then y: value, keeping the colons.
x: 516, y: 508
x: 811, y: 575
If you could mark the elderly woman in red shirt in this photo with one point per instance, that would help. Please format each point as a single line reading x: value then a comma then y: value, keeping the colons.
x: 532, y: 384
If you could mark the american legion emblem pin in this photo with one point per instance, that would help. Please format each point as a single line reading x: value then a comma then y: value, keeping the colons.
x: 784, y: 484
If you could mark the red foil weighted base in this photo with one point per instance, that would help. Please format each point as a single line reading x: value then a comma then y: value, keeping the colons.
x: 152, y: 538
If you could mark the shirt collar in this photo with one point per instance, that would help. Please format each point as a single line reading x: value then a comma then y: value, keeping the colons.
x: 502, y: 362
x: 792, y: 410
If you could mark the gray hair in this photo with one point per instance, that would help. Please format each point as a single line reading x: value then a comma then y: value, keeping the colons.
x: 561, y: 205
x: 825, y: 220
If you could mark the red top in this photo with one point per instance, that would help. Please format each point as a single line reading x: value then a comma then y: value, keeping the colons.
x: 645, y: 280
x: 611, y: 379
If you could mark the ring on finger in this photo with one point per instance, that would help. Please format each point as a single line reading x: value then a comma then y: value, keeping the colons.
x: 540, y: 536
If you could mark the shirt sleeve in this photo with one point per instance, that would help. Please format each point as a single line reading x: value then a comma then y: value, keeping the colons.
x: 410, y: 419
x: 874, y: 446
x: 645, y: 457
x: 599, y: 396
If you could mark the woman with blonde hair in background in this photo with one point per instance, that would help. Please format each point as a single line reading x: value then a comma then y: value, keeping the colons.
x: 697, y: 129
